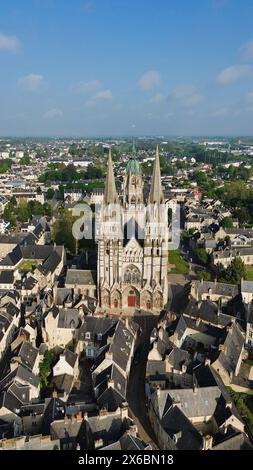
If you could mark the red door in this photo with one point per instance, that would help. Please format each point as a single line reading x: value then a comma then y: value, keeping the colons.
x: 131, y: 300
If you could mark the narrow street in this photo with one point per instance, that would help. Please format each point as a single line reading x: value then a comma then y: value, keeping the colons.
x: 136, y: 386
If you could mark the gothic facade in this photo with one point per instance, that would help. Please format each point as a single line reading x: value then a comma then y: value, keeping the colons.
x: 133, y: 243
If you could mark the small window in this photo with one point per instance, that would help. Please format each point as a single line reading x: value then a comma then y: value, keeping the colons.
x: 87, y: 335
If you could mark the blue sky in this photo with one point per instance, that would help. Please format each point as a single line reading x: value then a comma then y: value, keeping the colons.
x: 126, y: 67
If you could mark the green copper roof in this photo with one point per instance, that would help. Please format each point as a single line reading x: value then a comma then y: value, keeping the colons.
x: 133, y: 166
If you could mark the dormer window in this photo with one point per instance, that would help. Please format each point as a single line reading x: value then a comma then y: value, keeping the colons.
x: 87, y: 335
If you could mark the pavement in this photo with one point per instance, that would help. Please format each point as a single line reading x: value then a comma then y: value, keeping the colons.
x: 136, y: 384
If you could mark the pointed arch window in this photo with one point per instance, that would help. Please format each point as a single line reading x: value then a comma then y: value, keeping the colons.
x: 132, y: 275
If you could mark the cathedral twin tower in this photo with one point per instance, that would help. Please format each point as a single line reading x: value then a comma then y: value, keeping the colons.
x: 133, y: 243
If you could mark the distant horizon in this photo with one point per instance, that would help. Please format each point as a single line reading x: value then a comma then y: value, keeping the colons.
x: 129, y: 136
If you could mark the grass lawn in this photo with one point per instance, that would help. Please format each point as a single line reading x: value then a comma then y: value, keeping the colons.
x: 244, y: 404
x: 249, y: 273
x: 28, y: 265
x: 179, y: 265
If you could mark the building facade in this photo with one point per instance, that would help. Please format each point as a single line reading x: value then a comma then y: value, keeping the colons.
x: 133, y: 242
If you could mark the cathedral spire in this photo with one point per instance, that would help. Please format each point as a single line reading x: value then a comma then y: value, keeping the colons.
x: 110, y: 194
x: 133, y: 148
x: 156, y: 192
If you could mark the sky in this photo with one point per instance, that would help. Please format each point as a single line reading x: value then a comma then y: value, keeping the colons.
x: 126, y: 67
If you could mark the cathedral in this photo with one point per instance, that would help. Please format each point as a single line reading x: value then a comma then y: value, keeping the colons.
x: 132, y: 260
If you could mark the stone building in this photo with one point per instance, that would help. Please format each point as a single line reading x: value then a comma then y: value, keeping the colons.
x: 133, y: 242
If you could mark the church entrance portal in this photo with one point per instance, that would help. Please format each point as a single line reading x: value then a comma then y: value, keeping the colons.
x: 131, y: 299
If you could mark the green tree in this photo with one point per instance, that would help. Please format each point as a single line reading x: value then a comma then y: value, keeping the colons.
x: 23, y: 212
x: 25, y: 160
x: 9, y: 215
x: 5, y: 165
x: 234, y: 272
x: 202, y: 255
x: 205, y: 275
x: 227, y: 222
x: 50, y: 193
x: 45, y: 369
x: 62, y: 232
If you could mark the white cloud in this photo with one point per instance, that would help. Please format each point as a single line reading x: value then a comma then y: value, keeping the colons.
x: 156, y: 98
x: 149, y: 80
x: 186, y: 96
x: 102, y: 95
x: 246, y: 51
x: 220, y: 112
x: 31, y: 82
x: 182, y: 91
x: 234, y: 73
x: 87, y: 87
x: 9, y: 43
x: 53, y: 113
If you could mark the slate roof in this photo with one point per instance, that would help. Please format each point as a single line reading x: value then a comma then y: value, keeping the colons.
x: 239, y: 441
x: 81, y: 277
x: 218, y: 288
x: 176, y: 423
x: 110, y: 373
x: 6, y: 277
x: 200, y: 402
x: 63, y: 383
x: 22, y: 374
x: 247, y: 286
x: 185, y: 322
x: 68, y: 318
x: 95, y: 326
x: 29, y: 283
x: 28, y: 355
x: 70, y: 357
x: 233, y: 344
x: 110, y: 399
x: 51, y: 263
x: 121, y: 345
x: 178, y: 357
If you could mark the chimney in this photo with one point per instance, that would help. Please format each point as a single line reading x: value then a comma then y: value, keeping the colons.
x: 110, y: 383
x: 98, y: 443
x: 79, y: 416
x: 177, y: 436
x: 133, y: 430
x: 85, y: 416
x: 184, y: 368
x: 207, y: 442
x: 229, y: 404
x: 108, y: 355
x: 124, y: 410
x: 103, y: 412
